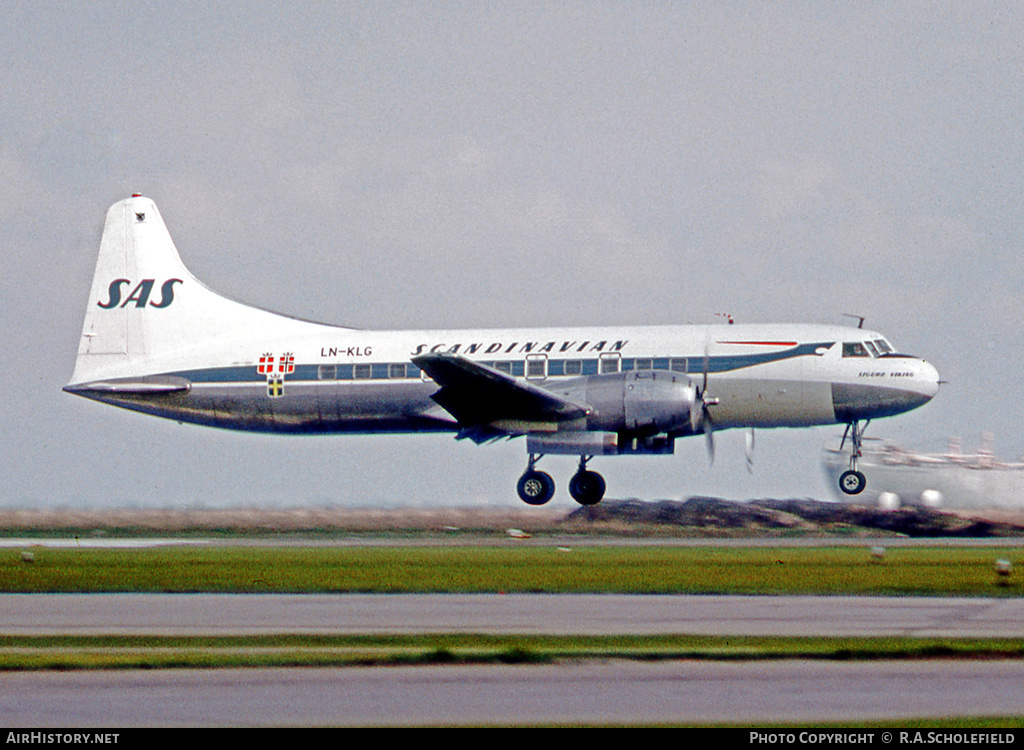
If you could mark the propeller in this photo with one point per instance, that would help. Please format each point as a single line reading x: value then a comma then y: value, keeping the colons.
x: 709, y: 437
x: 702, y: 420
x: 750, y: 450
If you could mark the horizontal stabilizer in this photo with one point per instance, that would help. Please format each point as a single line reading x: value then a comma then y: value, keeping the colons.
x: 153, y: 384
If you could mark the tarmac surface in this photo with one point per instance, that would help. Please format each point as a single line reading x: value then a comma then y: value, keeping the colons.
x: 590, y: 692
x: 599, y: 692
x: 597, y: 614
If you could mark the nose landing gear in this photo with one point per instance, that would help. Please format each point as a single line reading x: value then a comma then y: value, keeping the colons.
x: 852, y: 481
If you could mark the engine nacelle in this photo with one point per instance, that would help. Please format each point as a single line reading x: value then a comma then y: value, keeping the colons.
x: 645, y: 402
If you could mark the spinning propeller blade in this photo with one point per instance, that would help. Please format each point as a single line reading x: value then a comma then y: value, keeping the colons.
x: 706, y: 423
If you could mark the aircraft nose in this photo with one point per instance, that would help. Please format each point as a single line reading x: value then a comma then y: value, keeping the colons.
x: 916, y: 383
x: 929, y: 379
x: 923, y: 388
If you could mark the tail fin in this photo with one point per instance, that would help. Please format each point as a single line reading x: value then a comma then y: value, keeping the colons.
x: 146, y: 312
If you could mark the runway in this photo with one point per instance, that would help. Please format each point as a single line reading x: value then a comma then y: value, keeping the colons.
x: 593, y: 614
x: 594, y: 692
x: 620, y: 692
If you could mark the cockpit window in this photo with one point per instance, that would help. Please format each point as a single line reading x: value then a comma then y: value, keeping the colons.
x: 883, y: 346
x: 871, y: 348
x: 854, y: 349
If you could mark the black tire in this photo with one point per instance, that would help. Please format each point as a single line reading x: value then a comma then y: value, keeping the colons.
x: 535, y: 487
x: 587, y: 487
x: 852, y: 482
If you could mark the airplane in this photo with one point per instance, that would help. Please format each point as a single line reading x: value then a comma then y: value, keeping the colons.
x: 157, y: 341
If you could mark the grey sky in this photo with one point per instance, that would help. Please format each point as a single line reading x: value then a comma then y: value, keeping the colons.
x: 485, y: 164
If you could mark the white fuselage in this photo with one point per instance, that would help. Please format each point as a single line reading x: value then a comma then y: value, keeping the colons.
x: 345, y: 380
x: 156, y: 340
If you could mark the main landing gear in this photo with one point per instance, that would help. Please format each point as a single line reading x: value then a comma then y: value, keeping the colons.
x: 852, y: 481
x: 537, y: 487
x: 586, y: 487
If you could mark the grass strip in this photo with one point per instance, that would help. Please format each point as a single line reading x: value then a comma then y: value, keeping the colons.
x: 932, y: 571
x: 159, y: 652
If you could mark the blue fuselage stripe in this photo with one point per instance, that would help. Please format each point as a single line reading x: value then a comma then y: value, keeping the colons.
x: 556, y: 367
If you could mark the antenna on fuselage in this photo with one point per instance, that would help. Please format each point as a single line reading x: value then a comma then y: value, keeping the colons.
x: 860, y: 319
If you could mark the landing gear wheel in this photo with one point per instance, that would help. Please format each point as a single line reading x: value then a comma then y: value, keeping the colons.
x: 587, y: 487
x: 852, y: 482
x: 535, y: 487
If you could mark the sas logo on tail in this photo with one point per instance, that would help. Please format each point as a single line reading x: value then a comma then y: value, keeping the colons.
x: 140, y: 294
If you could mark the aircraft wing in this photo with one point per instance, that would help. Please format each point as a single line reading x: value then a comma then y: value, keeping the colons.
x: 488, y: 403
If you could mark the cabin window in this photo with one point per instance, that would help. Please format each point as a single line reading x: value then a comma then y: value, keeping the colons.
x: 363, y: 372
x: 573, y: 367
x: 536, y: 366
x: 609, y: 363
x: 396, y: 371
x: 327, y: 372
x: 644, y: 364
x: 677, y: 365
x: 503, y: 367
